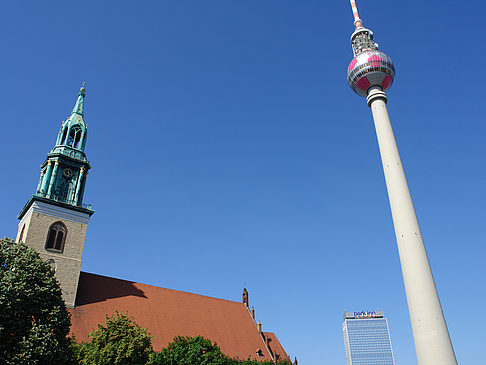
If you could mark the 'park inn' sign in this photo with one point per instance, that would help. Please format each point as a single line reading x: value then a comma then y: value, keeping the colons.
x: 363, y: 314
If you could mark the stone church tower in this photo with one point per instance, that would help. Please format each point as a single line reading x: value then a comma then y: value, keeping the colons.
x: 54, y: 220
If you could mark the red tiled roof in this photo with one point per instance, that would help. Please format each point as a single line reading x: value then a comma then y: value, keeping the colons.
x: 168, y: 313
x: 275, y: 347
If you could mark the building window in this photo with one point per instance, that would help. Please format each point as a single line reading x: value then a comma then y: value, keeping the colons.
x: 56, y: 237
x: 74, y: 137
x: 63, y: 140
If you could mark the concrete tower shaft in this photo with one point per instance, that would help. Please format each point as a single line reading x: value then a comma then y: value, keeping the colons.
x: 431, y: 337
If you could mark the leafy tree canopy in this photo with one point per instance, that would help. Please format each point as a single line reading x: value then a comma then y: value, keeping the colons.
x: 121, y: 342
x: 34, y: 322
x: 199, y: 351
x: 190, y: 351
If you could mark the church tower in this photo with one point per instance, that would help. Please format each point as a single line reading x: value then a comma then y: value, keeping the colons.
x: 54, y: 220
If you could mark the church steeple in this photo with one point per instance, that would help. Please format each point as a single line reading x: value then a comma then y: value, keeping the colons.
x: 74, y: 131
x: 63, y: 174
x: 54, y: 220
x: 79, y: 106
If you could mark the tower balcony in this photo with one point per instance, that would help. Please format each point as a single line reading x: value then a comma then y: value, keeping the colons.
x: 66, y: 201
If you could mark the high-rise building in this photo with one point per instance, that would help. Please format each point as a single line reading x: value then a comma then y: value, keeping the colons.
x: 370, y: 75
x: 367, y: 339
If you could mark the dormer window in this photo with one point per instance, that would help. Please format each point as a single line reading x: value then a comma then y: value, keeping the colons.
x: 56, y: 237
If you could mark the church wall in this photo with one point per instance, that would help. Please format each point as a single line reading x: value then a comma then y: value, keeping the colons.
x: 67, y: 263
x: 23, y: 225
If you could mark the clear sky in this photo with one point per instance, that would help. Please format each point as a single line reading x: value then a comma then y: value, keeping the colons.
x: 228, y: 150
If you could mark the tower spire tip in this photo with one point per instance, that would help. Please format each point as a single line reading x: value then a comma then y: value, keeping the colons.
x: 357, y: 21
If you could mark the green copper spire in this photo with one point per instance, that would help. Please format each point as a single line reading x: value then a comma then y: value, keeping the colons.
x: 79, y: 106
x: 74, y: 131
x: 63, y: 175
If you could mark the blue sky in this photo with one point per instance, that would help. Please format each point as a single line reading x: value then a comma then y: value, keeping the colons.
x: 228, y: 150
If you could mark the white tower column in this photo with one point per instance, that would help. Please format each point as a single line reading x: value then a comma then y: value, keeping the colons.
x: 432, y: 342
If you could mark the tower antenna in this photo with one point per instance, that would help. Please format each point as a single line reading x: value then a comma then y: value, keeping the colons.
x: 357, y: 21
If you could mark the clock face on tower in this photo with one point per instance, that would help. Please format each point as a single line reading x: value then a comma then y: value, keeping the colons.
x: 67, y: 173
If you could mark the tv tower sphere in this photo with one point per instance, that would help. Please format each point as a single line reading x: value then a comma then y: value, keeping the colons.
x: 370, y: 68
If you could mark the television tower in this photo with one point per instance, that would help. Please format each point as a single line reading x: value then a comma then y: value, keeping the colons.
x: 370, y: 74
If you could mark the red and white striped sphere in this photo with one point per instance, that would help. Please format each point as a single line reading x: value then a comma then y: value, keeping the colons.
x: 370, y: 68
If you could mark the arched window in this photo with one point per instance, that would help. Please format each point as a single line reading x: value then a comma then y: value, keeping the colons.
x: 74, y: 137
x: 63, y: 139
x: 56, y: 237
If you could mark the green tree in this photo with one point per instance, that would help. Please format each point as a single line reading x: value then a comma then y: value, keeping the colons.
x: 121, y: 342
x: 34, y: 322
x: 199, y: 351
x: 256, y: 362
x: 190, y: 351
